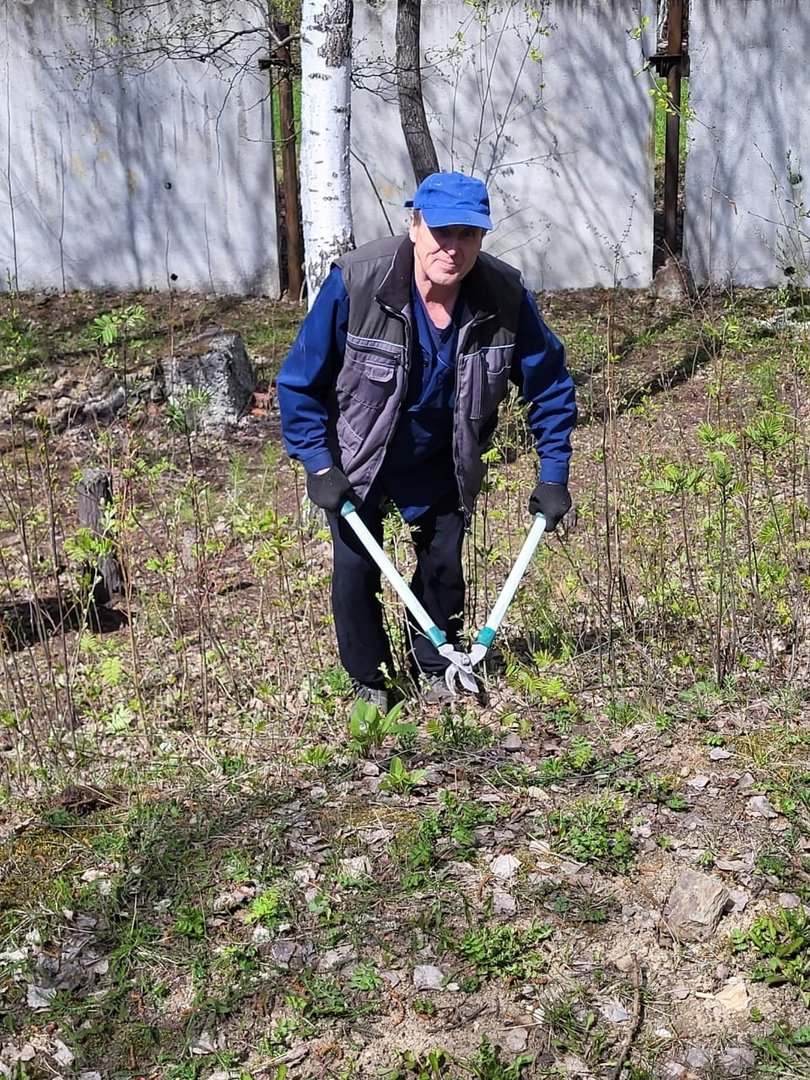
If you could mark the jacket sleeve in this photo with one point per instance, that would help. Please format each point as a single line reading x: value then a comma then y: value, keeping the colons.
x: 308, y: 375
x: 540, y: 373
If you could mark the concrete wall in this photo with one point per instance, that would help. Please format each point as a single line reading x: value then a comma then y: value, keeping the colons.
x: 165, y: 180
x: 569, y: 162
x: 114, y: 182
x: 750, y: 93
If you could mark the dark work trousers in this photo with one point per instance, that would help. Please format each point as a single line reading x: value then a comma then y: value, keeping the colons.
x: 438, y: 582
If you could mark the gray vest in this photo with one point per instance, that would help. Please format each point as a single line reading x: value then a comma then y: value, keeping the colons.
x: 370, y: 387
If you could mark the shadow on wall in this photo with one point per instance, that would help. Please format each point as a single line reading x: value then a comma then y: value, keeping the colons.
x: 156, y: 180
x: 548, y: 107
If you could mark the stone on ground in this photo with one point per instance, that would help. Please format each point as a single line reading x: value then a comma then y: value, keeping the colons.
x: 216, y: 365
x: 694, y: 906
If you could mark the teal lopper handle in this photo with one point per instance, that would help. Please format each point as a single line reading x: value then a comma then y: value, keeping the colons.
x: 398, y: 583
x: 487, y: 633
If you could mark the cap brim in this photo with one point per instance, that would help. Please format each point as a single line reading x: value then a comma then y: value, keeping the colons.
x: 439, y: 218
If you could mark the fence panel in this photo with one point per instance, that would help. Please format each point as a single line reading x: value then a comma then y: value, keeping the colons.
x: 165, y: 179
x: 748, y: 163
x: 161, y: 180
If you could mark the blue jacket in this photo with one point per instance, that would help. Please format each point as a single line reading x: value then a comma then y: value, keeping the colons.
x: 342, y: 386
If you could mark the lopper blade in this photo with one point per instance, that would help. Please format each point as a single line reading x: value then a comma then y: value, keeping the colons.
x: 460, y: 669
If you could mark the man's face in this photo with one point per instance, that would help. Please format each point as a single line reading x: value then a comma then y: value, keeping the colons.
x: 444, y: 256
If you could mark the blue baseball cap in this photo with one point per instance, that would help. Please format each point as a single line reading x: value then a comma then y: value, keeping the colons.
x: 451, y: 198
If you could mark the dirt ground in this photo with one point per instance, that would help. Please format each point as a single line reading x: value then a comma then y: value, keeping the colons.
x: 208, y: 872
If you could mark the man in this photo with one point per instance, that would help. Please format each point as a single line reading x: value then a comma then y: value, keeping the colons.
x: 390, y: 394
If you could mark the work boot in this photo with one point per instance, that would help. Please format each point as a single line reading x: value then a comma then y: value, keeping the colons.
x: 374, y: 695
x: 435, y: 690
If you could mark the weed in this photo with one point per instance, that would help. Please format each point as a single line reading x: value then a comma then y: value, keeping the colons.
x: 185, y: 411
x: 778, y: 867
x: 190, y: 922
x: 321, y: 997
x: 782, y: 942
x: 563, y: 717
x: 19, y: 346
x: 369, y: 728
x: 108, y: 329
x: 544, y: 689
x: 456, y: 821
x: 579, y: 907
x: 238, y: 867
x: 550, y: 770
x: 232, y: 764
x: 365, y: 977
x: 572, y: 1024
x: 579, y: 758
x: 432, y: 1065
x: 399, y: 780
x: 268, y: 908
x: 280, y: 1035
x: 460, y: 818
x: 700, y: 699
x: 654, y: 789
x: 591, y: 832
x: 318, y: 757
x: 624, y: 713
x: 416, y: 850
x: 714, y: 738
x: 504, y: 952
x: 486, y: 1063
x: 424, y: 1007
x: 459, y: 729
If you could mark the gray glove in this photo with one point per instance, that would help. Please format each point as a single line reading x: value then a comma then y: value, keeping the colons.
x: 552, y: 501
x: 330, y: 490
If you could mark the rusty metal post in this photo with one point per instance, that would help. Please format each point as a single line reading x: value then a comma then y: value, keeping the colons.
x: 673, y: 126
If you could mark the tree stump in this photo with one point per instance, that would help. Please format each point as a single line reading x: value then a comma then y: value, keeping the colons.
x: 93, y: 497
x: 211, y: 380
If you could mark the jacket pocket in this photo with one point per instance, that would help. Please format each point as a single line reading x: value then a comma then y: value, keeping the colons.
x: 489, y: 381
x: 368, y: 376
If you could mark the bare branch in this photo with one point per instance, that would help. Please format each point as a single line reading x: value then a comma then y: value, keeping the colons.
x: 141, y: 36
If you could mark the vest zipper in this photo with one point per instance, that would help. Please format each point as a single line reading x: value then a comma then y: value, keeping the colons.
x: 476, y: 322
x: 407, y: 365
x: 376, y: 352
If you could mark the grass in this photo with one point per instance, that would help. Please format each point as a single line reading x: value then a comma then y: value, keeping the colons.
x: 214, y: 864
x: 784, y: 1054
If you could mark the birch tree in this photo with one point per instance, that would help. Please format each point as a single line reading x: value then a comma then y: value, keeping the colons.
x: 326, y: 214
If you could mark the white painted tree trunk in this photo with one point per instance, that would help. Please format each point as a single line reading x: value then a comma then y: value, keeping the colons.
x: 326, y: 212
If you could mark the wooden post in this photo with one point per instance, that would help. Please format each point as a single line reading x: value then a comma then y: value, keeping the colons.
x: 289, y: 164
x: 94, y: 495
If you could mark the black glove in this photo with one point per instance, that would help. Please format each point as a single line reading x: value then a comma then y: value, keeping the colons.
x: 330, y: 490
x: 552, y: 501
